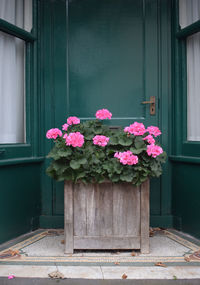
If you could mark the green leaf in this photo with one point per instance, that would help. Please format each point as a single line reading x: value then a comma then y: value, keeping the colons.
x: 53, y: 154
x: 82, y: 161
x: 80, y: 175
x: 74, y: 164
x: 113, y: 141
x: 137, y: 151
x: 125, y: 141
x: 162, y: 157
x: 126, y: 177
x: 88, y: 136
x: 139, y: 143
x: 64, y: 152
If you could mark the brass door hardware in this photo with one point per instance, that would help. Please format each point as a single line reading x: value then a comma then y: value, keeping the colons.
x: 152, y: 105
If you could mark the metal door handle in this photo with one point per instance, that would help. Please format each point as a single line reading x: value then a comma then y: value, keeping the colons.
x: 152, y: 107
x: 148, y: 102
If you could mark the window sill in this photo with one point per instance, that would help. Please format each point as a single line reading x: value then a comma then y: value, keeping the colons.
x: 21, y: 161
x: 186, y: 159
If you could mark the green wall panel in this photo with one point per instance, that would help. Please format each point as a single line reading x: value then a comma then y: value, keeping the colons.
x: 186, y: 197
x: 19, y: 200
x: 53, y: 60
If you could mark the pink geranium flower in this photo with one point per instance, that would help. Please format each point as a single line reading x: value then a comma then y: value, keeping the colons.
x: 74, y: 139
x: 65, y: 136
x: 100, y: 140
x: 11, y: 276
x: 53, y: 133
x: 149, y: 139
x: 154, y: 131
x: 73, y: 121
x: 137, y: 129
x: 103, y: 114
x: 154, y: 150
x: 65, y: 127
x: 126, y: 157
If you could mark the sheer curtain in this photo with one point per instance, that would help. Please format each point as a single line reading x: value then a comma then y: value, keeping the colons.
x: 12, y: 57
x: 189, y: 12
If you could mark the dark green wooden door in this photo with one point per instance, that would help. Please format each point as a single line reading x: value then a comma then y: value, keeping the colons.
x: 113, y: 63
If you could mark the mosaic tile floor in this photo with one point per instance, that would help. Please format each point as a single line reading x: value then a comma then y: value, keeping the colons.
x: 45, y: 247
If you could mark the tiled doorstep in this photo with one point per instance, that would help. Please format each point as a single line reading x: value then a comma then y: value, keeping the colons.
x: 152, y: 272
x: 104, y: 272
x: 26, y: 270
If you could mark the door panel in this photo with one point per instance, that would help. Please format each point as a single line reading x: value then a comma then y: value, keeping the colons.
x: 108, y: 59
x: 113, y: 63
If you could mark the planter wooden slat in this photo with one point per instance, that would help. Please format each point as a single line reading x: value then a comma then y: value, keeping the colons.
x: 144, y: 214
x: 106, y: 216
x: 111, y: 242
x: 80, y: 209
x: 126, y: 212
x: 69, y: 221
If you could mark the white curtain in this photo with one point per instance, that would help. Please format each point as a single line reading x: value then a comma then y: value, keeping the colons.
x: 12, y: 49
x: 193, y: 87
x: 189, y: 12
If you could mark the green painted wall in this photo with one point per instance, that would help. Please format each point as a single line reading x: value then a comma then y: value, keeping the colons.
x: 20, y: 164
x: 19, y: 199
x: 186, y: 197
x: 53, y: 64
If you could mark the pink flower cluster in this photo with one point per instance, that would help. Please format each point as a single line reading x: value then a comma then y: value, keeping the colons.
x: 154, y: 150
x: 137, y: 129
x: 100, y: 140
x: 149, y: 139
x: 103, y: 114
x: 11, y: 276
x: 53, y: 133
x: 126, y: 157
x: 65, y: 127
x: 73, y: 121
x: 74, y: 139
x: 153, y: 131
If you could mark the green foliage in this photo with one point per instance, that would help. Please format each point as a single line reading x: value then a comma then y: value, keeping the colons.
x: 92, y: 163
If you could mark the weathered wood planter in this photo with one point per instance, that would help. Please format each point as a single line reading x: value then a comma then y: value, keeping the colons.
x: 106, y: 216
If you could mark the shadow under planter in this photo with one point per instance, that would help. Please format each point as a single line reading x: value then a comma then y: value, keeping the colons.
x: 106, y: 216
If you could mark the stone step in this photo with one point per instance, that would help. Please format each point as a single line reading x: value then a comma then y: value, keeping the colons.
x: 48, y: 281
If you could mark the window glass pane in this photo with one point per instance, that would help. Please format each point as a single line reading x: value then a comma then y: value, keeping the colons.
x: 189, y: 12
x: 12, y: 129
x: 193, y: 87
x: 17, y: 12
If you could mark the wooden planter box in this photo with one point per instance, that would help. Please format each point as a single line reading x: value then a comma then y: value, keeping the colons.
x: 106, y: 216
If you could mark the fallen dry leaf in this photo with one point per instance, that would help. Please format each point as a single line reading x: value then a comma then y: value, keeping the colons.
x: 133, y: 253
x: 54, y: 232
x: 196, y: 254
x: 14, y: 252
x: 157, y: 229
x: 187, y: 258
x: 124, y: 276
x: 56, y: 275
x: 160, y: 264
x: 63, y: 241
x: 9, y: 253
x: 151, y: 233
x: 117, y: 263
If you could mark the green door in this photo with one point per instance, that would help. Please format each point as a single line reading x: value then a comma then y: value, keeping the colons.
x: 113, y: 63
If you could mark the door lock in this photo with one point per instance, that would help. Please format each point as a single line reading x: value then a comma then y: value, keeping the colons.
x: 152, y: 105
